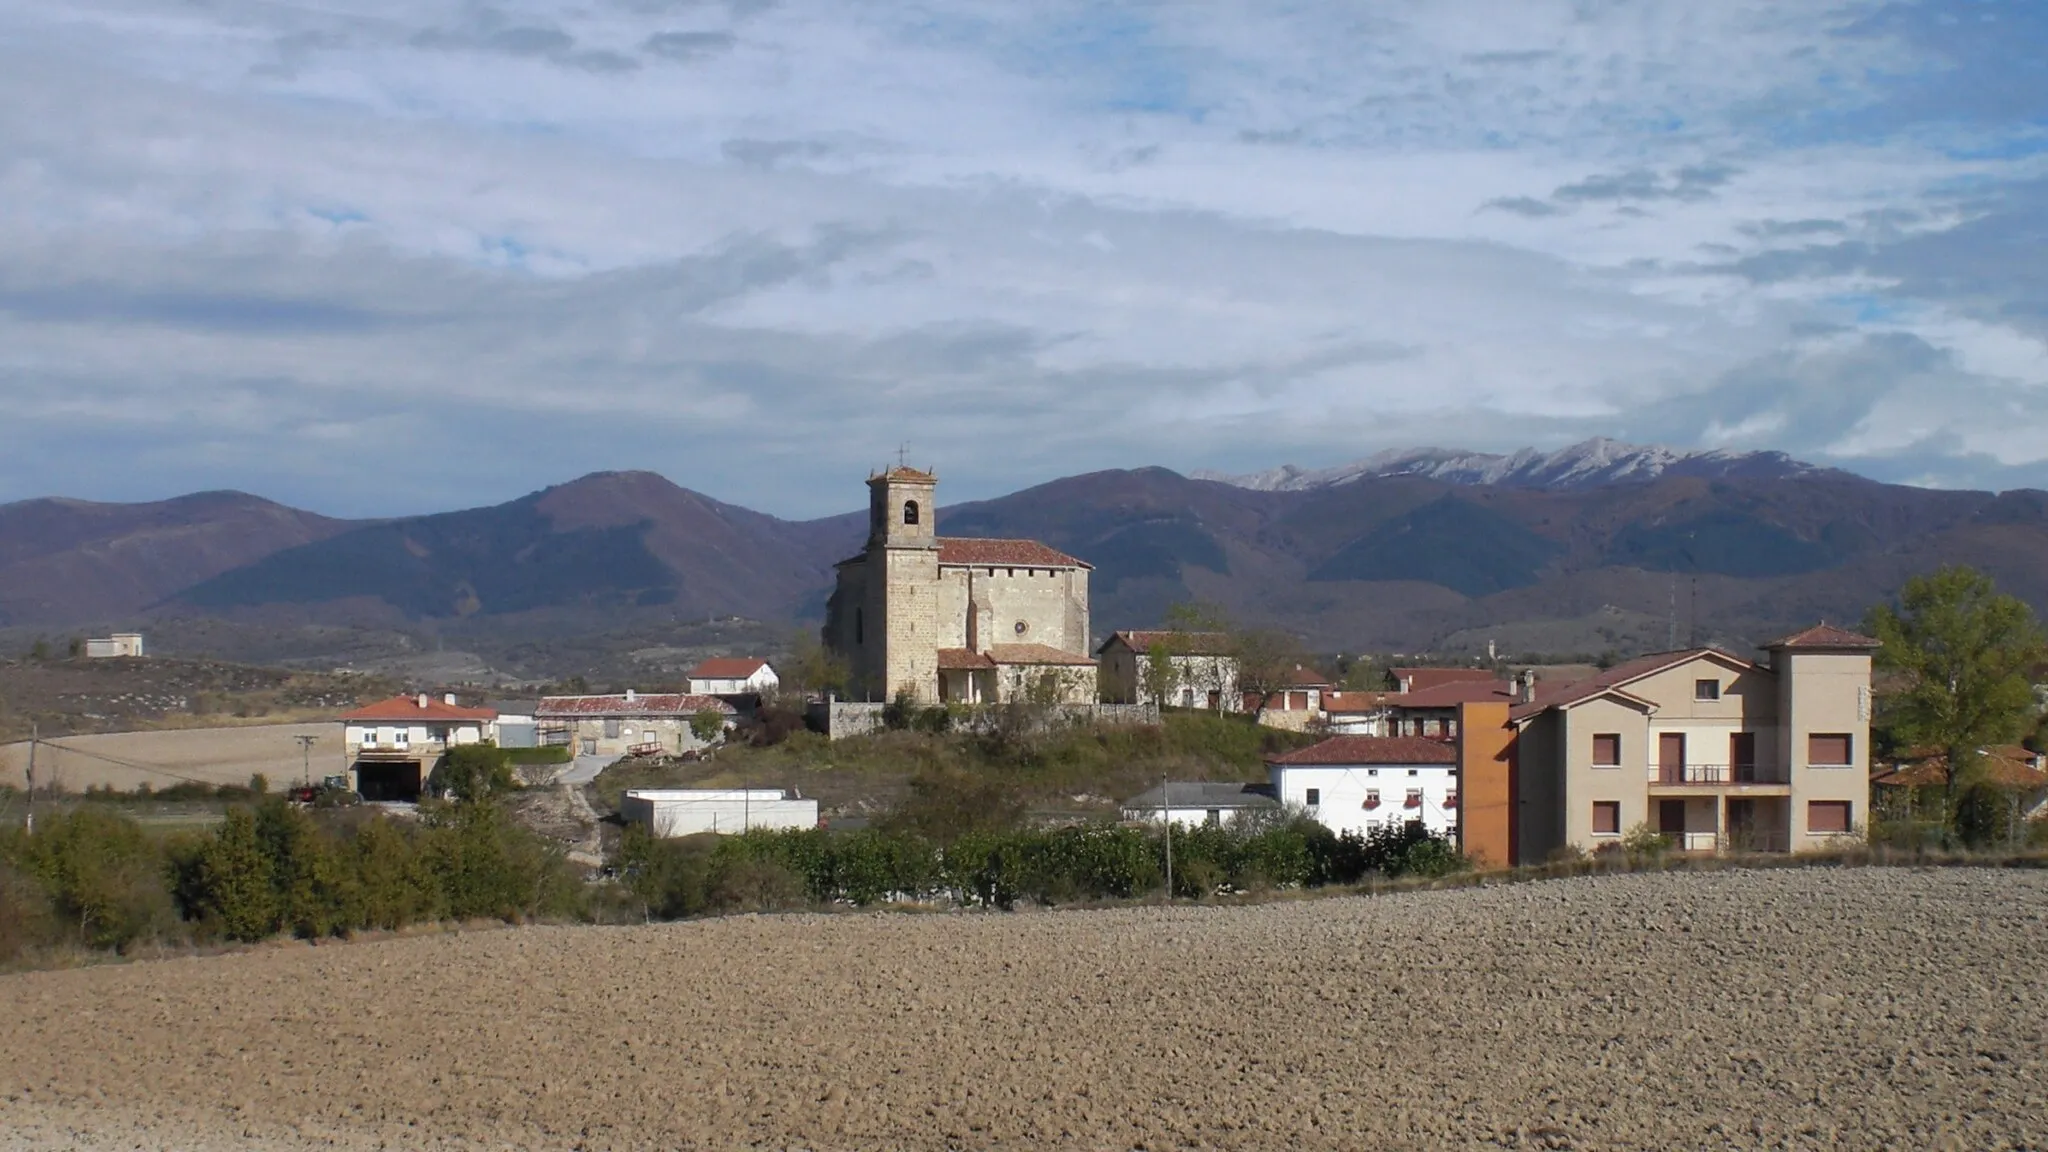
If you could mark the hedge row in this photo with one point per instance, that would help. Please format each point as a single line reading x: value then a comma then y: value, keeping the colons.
x: 92, y: 878
x: 765, y: 870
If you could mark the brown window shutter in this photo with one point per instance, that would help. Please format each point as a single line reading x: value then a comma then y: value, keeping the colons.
x: 1606, y: 816
x: 1827, y: 816
x: 1607, y: 749
x: 1827, y: 748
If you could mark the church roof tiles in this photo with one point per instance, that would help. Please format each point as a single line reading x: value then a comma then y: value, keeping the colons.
x: 971, y: 552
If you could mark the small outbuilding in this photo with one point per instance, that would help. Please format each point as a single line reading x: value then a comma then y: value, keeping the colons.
x: 669, y: 812
x: 1194, y: 802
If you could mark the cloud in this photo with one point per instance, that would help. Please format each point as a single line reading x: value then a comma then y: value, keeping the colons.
x: 688, y: 45
x: 348, y: 257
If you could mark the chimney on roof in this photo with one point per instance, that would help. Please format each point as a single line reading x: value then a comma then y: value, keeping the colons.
x: 1407, y: 683
x: 448, y: 698
x: 1525, y: 693
x: 423, y: 700
x: 629, y: 696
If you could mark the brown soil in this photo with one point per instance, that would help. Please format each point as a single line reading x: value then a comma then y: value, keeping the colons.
x: 1808, y: 1009
x: 124, y: 760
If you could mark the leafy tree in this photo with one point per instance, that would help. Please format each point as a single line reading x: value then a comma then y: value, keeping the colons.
x: 40, y: 650
x: 707, y: 725
x: 474, y: 772
x: 813, y: 667
x: 1961, y: 653
x: 1266, y: 660
x: 234, y: 886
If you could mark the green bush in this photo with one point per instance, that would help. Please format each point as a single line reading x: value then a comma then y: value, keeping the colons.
x: 102, y: 875
x: 27, y: 922
x: 552, y: 754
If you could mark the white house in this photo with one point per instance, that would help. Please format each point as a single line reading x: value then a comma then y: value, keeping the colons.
x: 120, y: 644
x: 393, y: 746
x: 1354, y: 783
x: 1202, y: 667
x: 1192, y: 802
x: 733, y: 676
x: 689, y: 811
x: 515, y: 726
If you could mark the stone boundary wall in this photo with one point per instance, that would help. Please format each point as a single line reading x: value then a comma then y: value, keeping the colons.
x: 838, y: 719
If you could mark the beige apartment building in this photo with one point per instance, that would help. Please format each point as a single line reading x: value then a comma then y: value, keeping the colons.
x: 1715, y: 751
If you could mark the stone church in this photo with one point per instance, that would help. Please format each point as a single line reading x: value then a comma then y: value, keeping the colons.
x: 948, y: 619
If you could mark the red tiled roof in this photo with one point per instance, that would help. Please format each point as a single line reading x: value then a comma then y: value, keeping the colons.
x: 1036, y: 654
x: 902, y: 472
x: 654, y: 704
x: 1452, y: 693
x: 1185, y: 643
x: 1355, y: 702
x: 1370, y: 750
x: 1566, y: 695
x: 963, y: 660
x: 1303, y: 677
x: 410, y: 708
x: 727, y: 668
x: 1419, y: 679
x: 1825, y: 636
x: 962, y: 550
x: 2009, y: 767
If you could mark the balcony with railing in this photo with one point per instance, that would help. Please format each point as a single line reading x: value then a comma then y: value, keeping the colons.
x: 1715, y: 775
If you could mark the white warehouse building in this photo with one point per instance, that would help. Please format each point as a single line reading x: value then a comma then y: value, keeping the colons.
x: 1357, y: 783
x: 667, y: 812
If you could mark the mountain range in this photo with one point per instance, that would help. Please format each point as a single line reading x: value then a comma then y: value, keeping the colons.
x: 1601, y: 546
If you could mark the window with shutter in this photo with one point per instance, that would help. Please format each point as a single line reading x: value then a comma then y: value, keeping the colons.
x: 1607, y: 750
x: 1828, y: 750
x: 1606, y: 817
x: 1826, y: 816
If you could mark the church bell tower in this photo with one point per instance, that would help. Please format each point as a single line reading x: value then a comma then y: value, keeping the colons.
x: 903, y: 562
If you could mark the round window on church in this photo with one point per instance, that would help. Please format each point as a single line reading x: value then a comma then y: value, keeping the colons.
x: 1022, y: 627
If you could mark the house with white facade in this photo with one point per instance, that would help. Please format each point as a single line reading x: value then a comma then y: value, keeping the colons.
x: 121, y: 645
x: 1190, y: 803
x: 733, y: 676
x: 1357, y: 783
x: 393, y: 746
x: 1172, y: 668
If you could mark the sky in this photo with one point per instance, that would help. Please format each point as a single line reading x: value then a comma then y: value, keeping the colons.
x: 378, y: 257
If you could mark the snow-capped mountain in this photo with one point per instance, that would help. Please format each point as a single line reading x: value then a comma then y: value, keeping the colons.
x: 1590, y: 464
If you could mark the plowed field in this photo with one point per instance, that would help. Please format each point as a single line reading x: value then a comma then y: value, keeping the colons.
x: 1812, y: 1009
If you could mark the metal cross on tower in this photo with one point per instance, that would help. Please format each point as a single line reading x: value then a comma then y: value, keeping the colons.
x: 902, y: 455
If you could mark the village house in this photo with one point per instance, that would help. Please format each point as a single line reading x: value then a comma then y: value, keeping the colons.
x: 121, y: 645
x: 1191, y: 803
x: 1913, y: 788
x: 1709, y: 749
x: 733, y: 676
x: 514, y: 727
x: 629, y: 723
x: 1297, y: 703
x: 1357, y: 783
x: 956, y: 620
x: 1170, y: 668
x: 392, y: 747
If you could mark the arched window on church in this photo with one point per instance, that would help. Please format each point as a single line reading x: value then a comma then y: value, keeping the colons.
x: 910, y: 511
x: 859, y: 633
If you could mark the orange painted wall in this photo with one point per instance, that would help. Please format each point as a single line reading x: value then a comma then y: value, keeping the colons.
x: 1486, y: 794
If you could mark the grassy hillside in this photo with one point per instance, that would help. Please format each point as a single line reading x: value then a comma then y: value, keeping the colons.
x: 1079, y: 769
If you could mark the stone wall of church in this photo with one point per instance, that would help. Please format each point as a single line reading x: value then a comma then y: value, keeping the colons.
x: 978, y: 609
x: 911, y: 615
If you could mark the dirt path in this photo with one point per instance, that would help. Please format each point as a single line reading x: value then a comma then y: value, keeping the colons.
x: 1814, y: 1009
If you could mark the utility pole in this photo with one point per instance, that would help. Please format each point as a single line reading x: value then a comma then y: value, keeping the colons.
x: 29, y: 821
x: 306, y: 747
x: 1166, y: 808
